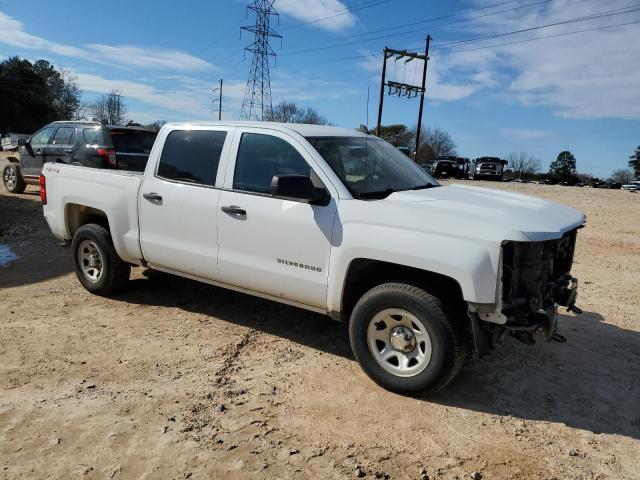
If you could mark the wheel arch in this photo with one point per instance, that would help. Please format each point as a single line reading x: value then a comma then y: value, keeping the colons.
x: 77, y: 215
x: 363, y: 274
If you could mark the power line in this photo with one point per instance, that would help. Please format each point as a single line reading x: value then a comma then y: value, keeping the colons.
x: 406, y: 32
x: 503, y: 34
x: 453, y: 52
x: 608, y: 13
x: 346, y: 11
x: 427, y: 20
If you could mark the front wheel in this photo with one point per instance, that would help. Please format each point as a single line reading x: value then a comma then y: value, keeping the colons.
x: 96, y: 261
x: 404, y: 340
x: 12, y: 179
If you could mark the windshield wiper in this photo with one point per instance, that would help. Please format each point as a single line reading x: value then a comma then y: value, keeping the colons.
x: 417, y: 187
x: 376, y: 193
x: 423, y: 187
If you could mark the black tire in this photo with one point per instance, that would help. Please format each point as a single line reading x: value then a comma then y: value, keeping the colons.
x: 12, y: 179
x: 446, y: 332
x: 114, y: 272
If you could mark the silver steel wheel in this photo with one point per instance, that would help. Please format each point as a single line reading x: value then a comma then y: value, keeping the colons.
x: 90, y: 261
x: 399, y: 342
x: 10, y: 178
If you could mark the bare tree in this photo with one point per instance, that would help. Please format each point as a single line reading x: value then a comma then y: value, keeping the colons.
x: 584, y: 177
x: 289, y: 112
x: 68, y: 98
x: 110, y: 108
x: 434, y: 142
x: 623, y: 175
x: 523, y: 165
x: 155, y: 126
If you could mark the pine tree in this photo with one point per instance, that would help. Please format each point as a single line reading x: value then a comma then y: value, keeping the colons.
x: 563, y: 168
x: 635, y: 162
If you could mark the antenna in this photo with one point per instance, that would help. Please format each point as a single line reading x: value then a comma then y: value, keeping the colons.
x: 367, y: 124
x: 257, y: 97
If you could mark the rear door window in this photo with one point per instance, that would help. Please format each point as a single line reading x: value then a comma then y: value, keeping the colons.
x: 192, y: 156
x: 64, y: 136
x: 133, y: 141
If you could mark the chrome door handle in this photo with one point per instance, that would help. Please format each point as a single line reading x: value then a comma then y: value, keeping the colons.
x: 152, y: 197
x: 234, y: 210
x: 68, y: 150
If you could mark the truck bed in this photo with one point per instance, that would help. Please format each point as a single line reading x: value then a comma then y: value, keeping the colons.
x: 113, y: 192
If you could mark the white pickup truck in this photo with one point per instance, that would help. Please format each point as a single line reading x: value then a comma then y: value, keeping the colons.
x: 334, y: 221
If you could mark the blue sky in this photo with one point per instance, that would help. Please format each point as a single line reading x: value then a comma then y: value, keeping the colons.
x: 579, y: 91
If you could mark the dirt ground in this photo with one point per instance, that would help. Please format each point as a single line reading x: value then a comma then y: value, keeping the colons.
x: 175, y: 379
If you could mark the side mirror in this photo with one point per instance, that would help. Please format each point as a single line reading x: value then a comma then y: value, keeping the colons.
x: 22, y: 142
x: 298, y: 187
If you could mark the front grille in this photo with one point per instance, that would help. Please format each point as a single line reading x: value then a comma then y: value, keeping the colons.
x: 531, y: 271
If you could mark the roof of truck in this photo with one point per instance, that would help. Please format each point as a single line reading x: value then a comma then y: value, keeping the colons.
x: 306, y: 130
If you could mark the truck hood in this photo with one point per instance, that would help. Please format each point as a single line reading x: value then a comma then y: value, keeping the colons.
x: 507, y: 214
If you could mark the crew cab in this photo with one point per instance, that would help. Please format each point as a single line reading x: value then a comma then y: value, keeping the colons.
x: 331, y: 220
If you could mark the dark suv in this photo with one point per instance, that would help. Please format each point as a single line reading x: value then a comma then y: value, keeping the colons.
x: 82, y: 143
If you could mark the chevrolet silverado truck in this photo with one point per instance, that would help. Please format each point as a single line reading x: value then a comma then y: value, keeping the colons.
x: 331, y: 220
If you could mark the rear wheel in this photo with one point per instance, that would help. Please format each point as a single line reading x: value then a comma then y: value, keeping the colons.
x: 96, y: 261
x: 404, y: 340
x: 12, y: 179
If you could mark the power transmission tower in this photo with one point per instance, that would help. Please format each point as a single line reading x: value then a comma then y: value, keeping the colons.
x: 401, y: 89
x: 257, y: 97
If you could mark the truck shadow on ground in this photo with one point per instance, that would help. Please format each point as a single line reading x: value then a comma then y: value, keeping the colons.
x: 24, y: 231
x: 592, y: 382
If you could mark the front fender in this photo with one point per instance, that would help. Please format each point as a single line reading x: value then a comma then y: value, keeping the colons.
x: 473, y: 264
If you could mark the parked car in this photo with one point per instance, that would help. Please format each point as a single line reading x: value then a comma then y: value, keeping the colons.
x: 633, y: 186
x: 487, y: 168
x: 422, y: 273
x: 79, y: 142
x: 444, y: 167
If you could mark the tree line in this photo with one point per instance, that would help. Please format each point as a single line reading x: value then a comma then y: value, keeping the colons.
x: 34, y: 94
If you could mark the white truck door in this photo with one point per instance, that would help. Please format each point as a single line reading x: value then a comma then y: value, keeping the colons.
x: 178, y: 202
x: 268, y: 244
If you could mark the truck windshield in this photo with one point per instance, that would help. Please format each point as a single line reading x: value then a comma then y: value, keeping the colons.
x: 370, y: 167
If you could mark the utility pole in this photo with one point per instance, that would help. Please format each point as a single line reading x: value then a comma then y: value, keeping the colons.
x: 401, y: 89
x: 219, y: 100
x: 382, y: 84
x: 257, y: 97
x: 424, y: 78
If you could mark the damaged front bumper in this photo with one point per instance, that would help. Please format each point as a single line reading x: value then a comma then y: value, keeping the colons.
x: 534, y: 282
